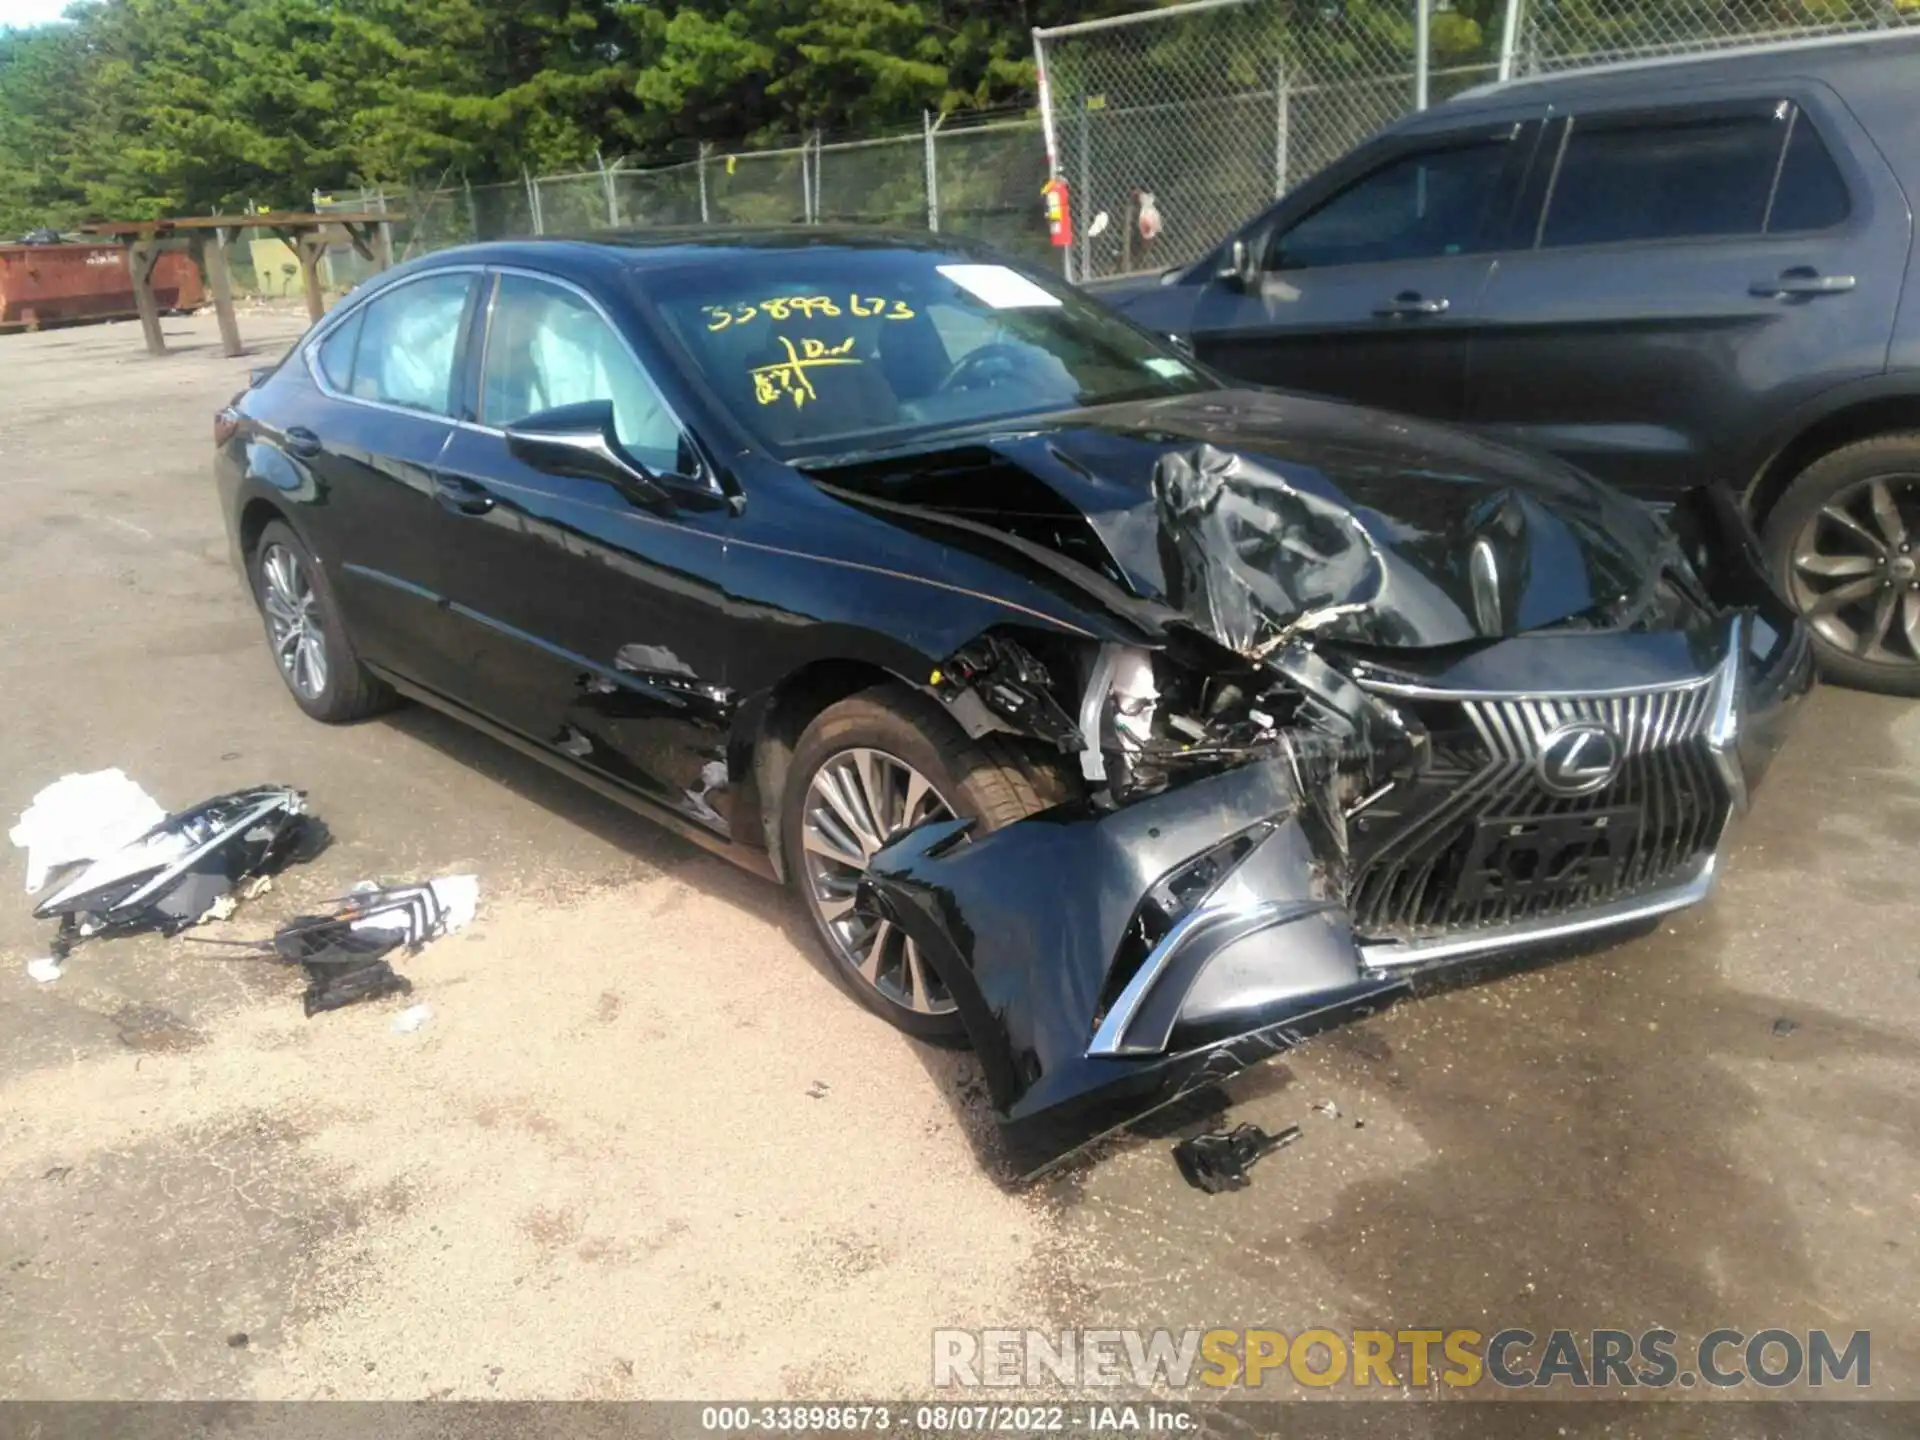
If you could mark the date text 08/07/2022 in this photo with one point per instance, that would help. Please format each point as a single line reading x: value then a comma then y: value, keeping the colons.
x: 964, y: 1419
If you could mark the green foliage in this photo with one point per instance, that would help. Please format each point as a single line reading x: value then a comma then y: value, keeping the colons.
x: 136, y: 108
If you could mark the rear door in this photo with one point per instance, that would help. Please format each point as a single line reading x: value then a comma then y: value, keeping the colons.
x: 372, y: 433
x: 1696, y: 268
x: 1370, y: 295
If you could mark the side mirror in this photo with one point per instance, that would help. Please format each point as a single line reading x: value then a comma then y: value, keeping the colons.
x: 580, y: 440
x: 1239, y: 270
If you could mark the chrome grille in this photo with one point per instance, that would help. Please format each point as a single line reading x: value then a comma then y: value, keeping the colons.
x: 1415, y: 854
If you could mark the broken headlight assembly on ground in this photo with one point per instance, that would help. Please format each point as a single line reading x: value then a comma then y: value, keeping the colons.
x: 186, y: 868
x: 1278, y: 836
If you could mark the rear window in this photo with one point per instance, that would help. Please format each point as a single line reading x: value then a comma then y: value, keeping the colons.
x: 1811, y: 195
x: 1691, y: 176
x: 336, y: 351
x: 1709, y: 176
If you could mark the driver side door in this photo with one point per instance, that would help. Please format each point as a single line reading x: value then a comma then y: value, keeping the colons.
x: 590, y: 623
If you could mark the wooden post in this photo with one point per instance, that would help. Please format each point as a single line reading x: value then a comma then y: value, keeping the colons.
x: 310, y: 246
x: 143, y: 253
x: 220, y: 280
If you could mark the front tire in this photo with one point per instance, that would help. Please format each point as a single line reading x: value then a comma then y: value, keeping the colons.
x: 305, y: 633
x: 1845, y: 543
x: 866, y: 769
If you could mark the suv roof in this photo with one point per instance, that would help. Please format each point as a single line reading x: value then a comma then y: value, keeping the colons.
x: 1821, y: 56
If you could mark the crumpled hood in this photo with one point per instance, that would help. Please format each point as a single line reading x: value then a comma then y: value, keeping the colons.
x: 1258, y: 514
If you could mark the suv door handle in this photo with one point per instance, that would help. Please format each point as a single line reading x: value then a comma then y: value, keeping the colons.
x: 302, y: 442
x: 1409, y: 302
x: 1802, y: 280
x: 464, y: 497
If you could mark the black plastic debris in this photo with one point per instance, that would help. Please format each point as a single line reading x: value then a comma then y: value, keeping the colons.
x: 1784, y: 1026
x: 1220, y: 1161
x: 184, y: 867
x: 344, y: 949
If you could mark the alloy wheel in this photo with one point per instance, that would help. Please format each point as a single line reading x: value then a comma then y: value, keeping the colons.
x: 856, y: 802
x: 293, y: 622
x: 1856, y: 570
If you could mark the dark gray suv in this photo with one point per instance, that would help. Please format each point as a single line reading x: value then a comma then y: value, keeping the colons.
x: 1665, y: 272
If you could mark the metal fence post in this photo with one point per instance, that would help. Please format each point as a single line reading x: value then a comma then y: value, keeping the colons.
x: 1083, y: 180
x: 704, y: 147
x: 606, y: 185
x: 927, y: 126
x: 1422, y: 46
x: 1280, y: 120
x: 533, y: 201
x: 1510, y: 39
x: 1046, y: 128
x: 812, y: 177
x: 473, y: 216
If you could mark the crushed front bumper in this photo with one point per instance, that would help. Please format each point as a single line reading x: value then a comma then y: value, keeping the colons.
x: 1105, y: 962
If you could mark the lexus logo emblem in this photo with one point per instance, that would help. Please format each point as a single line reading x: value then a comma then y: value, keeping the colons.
x: 1579, y: 758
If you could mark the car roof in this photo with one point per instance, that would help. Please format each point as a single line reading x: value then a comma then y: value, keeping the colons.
x: 675, y: 246
x: 1819, y: 56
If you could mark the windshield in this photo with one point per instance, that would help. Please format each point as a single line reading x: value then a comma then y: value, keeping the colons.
x: 831, y: 348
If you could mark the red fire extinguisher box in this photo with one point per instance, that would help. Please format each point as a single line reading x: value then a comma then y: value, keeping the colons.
x: 1059, y: 205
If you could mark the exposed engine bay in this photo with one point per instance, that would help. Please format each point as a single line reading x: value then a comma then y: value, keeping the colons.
x: 1368, y: 729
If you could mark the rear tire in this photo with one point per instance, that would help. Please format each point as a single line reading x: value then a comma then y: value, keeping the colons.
x: 871, y: 753
x: 305, y: 634
x: 1844, y: 541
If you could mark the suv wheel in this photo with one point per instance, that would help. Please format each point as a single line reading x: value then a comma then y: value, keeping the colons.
x: 866, y: 769
x: 305, y: 633
x: 1846, y: 543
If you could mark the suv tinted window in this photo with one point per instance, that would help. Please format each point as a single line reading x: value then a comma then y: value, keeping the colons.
x: 407, y: 344
x: 1429, y: 203
x: 1811, y: 195
x: 1709, y: 175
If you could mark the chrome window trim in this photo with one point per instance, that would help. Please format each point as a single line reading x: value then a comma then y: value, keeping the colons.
x: 706, y: 475
x: 311, y: 342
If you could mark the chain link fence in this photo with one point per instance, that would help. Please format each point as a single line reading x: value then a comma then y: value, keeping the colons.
x: 1561, y: 34
x: 978, y: 175
x: 1171, y: 127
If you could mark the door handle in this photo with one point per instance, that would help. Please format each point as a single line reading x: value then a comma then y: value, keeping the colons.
x: 1409, y: 302
x: 464, y: 497
x: 1802, y: 280
x: 302, y: 442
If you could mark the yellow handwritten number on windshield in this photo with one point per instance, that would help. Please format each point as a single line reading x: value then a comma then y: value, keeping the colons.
x: 787, y: 307
x: 788, y: 379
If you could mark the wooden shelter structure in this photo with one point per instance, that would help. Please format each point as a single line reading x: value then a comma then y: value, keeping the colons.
x: 211, y: 236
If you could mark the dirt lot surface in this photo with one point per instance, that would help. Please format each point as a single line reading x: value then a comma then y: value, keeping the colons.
x: 645, y: 1147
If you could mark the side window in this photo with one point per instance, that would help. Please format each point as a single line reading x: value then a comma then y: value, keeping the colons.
x: 1420, y: 206
x: 547, y: 347
x: 336, y: 352
x: 1810, y: 195
x: 1665, y: 180
x: 408, y: 341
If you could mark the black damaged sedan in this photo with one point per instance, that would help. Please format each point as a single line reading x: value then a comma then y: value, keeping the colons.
x: 1120, y: 722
